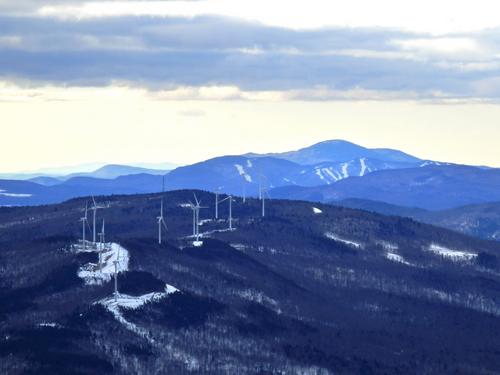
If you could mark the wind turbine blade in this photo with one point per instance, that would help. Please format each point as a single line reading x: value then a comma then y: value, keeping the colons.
x: 196, y: 199
x: 164, y: 224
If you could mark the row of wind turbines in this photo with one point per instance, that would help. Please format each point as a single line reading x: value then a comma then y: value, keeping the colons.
x: 162, y: 225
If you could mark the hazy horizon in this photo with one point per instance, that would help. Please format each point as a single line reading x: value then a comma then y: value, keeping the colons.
x: 90, y: 166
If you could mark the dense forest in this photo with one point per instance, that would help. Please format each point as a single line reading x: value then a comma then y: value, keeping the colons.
x: 307, y: 289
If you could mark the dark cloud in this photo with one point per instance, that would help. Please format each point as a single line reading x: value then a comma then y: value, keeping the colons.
x: 164, y: 52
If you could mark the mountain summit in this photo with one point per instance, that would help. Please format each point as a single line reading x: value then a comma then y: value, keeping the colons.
x: 338, y: 150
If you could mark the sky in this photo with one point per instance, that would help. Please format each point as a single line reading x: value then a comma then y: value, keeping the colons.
x: 183, y: 81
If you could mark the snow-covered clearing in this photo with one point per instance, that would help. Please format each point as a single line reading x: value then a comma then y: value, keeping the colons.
x: 328, y: 175
x: 317, y: 210
x: 345, y: 173
x: 388, y: 246
x: 364, y: 168
x: 15, y: 195
x: 333, y: 174
x: 239, y: 246
x: 334, y: 237
x: 205, y: 221
x: 114, y: 304
x: 397, y: 258
x: 455, y: 255
x: 92, y: 274
x: 242, y: 172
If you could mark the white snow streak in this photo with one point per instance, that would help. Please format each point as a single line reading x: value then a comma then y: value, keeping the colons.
x: 16, y: 195
x: 317, y: 210
x: 347, y: 242
x: 455, y: 255
x: 397, y: 258
x: 364, y: 168
x: 344, y: 169
x: 331, y: 172
x: 320, y: 175
x: 122, y: 301
x: 242, y: 172
x: 388, y: 246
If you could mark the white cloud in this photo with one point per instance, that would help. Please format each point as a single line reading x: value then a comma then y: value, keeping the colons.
x: 450, y: 47
x: 10, y: 41
x: 444, y: 16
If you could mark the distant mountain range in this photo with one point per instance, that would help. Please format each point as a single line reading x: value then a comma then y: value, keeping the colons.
x: 56, y: 175
x: 478, y: 220
x: 433, y: 187
x: 329, y: 172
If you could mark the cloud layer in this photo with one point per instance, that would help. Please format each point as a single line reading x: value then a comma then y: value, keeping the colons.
x: 186, y: 56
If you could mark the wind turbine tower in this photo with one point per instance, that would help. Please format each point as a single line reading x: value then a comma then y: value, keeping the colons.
x: 161, y: 223
x: 196, y: 217
x: 230, y: 199
x: 94, y: 208
x: 84, y: 224
x: 101, y: 239
x: 262, y: 195
x: 116, y: 279
x: 217, y: 203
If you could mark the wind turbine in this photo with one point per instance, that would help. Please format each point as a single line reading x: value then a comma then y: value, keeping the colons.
x: 196, y: 217
x: 116, y: 279
x: 161, y: 222
x: 101, y: 239
x: 84, y: 223
x: 217, y: 203
x: 230, y: 199
x: 262, y: 195
x: 94, y: 208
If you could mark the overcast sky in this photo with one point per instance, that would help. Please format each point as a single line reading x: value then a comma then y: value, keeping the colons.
x: 181, y: 81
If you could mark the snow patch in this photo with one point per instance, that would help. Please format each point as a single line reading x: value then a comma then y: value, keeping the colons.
x: 249, y: 163
x: 239, y: 246
x: 112, y: 252
x: 15, y: 195
x: 388, y: 246
x: 123, y: 301
x: 184, y: 205
x: 430, y: 162
x: 364, y: 168
x: 344, y: 241
x: 455, y: 255
x: 317, y: 210
x: 397, y: 258
x: 331, y: 173
x: 204, y: 221
x: 320, y: 175
x: 197, y: 243
x: 242, y: 172
x: 345, y: 173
